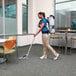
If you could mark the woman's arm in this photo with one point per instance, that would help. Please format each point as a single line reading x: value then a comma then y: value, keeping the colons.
x: 39, y: 30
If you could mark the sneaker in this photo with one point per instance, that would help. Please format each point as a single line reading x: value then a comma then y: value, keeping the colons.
x: 43, y: 57
x: 55, y: 58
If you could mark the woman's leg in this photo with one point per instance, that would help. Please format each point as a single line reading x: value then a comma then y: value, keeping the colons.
x: 44, y: 56
x: 46, y: 42
x: 44, y: 46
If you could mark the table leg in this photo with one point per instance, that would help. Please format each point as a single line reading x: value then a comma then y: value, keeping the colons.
x: 66, y: 42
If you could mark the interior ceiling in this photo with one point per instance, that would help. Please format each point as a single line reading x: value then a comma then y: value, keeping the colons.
x: 7, y: 2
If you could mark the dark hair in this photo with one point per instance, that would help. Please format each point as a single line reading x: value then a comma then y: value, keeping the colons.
x: 52, y: 16
x: 42, y: 13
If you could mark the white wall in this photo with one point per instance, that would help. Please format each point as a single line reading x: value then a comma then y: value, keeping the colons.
x: 46, y: 6
x: 34, y: 6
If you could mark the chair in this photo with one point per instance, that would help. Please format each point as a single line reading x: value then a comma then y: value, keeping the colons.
x: 12, y: 38
x: 8, y: 48
x: 73, y: 38
x: 58, y: 37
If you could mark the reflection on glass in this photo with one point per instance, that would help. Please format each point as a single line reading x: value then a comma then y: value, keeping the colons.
x: 0, y: 11
x: 1, y: 18
x: 24, y: 16
x: 10, y: 10
x: 73, y: 20
x: 24, y: 1
x: 61, y: 0
x: 10, y: 17
x: 66, y: 15
x: 66, y: 5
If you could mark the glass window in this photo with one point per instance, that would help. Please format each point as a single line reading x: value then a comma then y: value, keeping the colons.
x: 61, y: 0
x: 24, y: 2
x: 1, y: 18
x: 66, y: 15
x: 25, y: 16
x: 66, y: 5
x: 10, y: 10
x: 0, y: 11
x: 10, y: 17
x: 73, y: 20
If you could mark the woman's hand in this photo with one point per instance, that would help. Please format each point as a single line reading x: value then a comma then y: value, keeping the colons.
x: 34, y: 35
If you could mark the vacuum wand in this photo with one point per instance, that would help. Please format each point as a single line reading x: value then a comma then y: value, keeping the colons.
x: 30, y: 47
x: 26, y: 55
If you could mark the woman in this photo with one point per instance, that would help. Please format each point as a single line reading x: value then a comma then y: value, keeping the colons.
x: 45, y: 36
